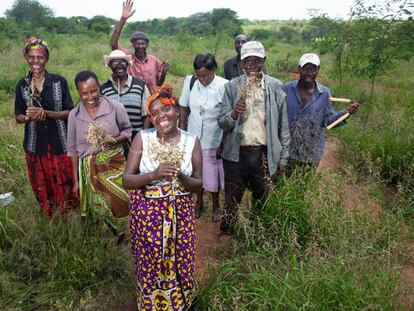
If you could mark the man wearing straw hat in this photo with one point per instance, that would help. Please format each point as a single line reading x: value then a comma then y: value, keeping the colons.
x: 124, y: 88
x: 143, y: 66
x: 309, y: 112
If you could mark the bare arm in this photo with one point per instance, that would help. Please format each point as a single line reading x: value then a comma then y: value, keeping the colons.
x: 127, y: 12
x: 132, y: 179
x: 75, y: 172
x: 39, y: 114
x: 165, y: 66
x: 57, y: 114
x: 194, y: 183
x: 183, y: 116
x: 22, y: 118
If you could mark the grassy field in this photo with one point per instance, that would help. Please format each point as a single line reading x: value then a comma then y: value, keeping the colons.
x: 304, y: 251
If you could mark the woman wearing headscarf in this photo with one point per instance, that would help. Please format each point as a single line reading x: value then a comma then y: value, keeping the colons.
x: 98, y: 127
x: 164, y: 168
x: 43, y: 103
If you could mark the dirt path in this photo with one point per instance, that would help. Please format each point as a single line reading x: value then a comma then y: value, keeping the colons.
x: 210, y: 242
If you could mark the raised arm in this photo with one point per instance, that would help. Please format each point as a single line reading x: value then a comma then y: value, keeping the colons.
x: 164, y: 67
x: 127, y: 12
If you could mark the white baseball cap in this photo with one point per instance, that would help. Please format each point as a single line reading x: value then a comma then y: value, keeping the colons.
x: 252, y: 48
x: 309, y: 58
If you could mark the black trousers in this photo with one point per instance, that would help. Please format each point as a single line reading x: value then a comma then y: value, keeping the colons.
x: 251, y: 171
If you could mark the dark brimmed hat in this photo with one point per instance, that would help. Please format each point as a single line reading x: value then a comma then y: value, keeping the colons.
x: 139, y: 35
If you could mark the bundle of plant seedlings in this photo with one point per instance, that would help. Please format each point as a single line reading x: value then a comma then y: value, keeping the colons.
x: 98, y: 136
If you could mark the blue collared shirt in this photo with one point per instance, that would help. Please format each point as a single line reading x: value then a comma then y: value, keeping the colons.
x: 307, y: 124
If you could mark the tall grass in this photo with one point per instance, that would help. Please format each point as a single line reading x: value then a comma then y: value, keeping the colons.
x: 307, y: 252
x: 302, y: 251
x: 59, y: 264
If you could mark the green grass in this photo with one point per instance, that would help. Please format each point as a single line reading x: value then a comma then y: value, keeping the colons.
x: 309, y: 256
x: 303, y: 251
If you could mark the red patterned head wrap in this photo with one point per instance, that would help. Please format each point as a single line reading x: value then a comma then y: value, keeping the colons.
x: 37, y: 44
x: 165, y: 95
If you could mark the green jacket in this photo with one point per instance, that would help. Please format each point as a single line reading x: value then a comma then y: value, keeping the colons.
x: 277, y: 127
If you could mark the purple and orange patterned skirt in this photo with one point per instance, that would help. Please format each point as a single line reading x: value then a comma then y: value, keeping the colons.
x: 163, y: 242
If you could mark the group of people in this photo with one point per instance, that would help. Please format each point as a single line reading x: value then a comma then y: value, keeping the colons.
x: 223, y: 133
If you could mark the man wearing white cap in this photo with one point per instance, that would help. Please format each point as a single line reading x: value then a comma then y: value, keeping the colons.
x: 143, y: 66
x: 124, y: 88
x: 254, y: 117
x: 310, y: 111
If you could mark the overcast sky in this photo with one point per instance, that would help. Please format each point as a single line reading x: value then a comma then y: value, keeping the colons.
x: 256, y: 9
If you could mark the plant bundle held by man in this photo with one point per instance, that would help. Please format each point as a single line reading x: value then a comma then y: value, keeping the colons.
x: 131, y: 92
x: 254, y: 115
x: 143, y: 66
x: 310, y: 111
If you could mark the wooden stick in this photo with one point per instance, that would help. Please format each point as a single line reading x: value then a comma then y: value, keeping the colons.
x: 337, y: 121
x: 340, y: 100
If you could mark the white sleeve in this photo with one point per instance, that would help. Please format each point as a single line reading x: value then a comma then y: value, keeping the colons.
x: 185, y: 93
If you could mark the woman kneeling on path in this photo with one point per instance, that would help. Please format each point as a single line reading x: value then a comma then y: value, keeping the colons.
x: 43, y: 103
x: 97, y: 129
x: 164, y: 167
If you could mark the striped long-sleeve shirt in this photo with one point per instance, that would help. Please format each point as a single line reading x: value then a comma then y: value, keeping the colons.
x: 133, y: 96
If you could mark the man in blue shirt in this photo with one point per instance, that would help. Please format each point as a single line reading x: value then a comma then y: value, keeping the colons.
x: 309, y: 112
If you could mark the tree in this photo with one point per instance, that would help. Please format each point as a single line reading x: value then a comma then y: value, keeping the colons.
x: 376, y: 39
x: 286, y: 34
x: 9, y: 28
x: 199, y: 24
x: 225, y: 21
x: 101, y: 23
x: 30, y: 13
x: 261, y: 34
x: 172, y: 26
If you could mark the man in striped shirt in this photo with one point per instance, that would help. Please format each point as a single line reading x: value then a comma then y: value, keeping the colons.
x: 124, y: 88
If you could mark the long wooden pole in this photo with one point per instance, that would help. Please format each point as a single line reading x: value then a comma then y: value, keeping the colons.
x: 337, y: 121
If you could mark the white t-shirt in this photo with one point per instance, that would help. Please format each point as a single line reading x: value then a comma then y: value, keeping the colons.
x: 204, y: 103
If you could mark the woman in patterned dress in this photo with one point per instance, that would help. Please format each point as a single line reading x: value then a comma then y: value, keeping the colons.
x: 97, y: 170
x: 164, y: 168
x: 43, y: 103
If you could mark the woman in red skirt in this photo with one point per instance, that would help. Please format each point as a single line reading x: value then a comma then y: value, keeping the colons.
x: 43, y: 103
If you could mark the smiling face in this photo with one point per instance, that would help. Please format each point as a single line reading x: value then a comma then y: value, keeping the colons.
x: 119, y: 67
x: 239, y: 41
x: 163, y: 117
x: 36, y: 61
x: 252, y: 65
x: 89, y: 92
x: 140, y: 47
x: 204, y: 75
x: 308, y: 73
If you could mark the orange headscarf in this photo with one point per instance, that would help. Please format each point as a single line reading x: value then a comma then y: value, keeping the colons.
x: 165, y: 95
